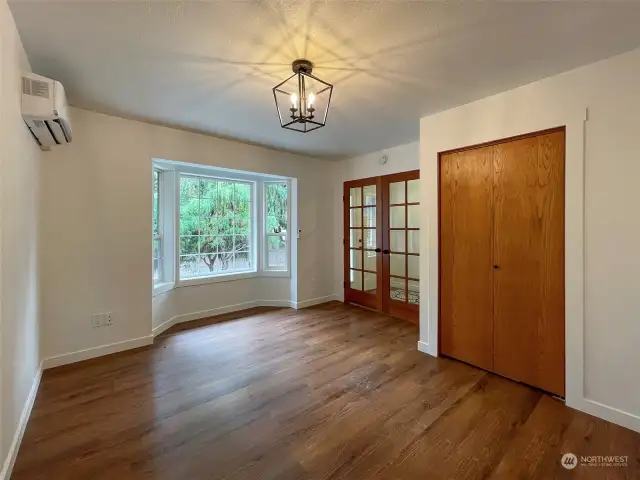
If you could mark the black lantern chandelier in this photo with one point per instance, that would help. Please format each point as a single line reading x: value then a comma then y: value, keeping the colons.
x: 302, y: 99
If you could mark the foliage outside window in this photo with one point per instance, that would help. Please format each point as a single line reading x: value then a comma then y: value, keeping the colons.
x: 157, y: 235
x: 276, y: 225
x: 215, y: 227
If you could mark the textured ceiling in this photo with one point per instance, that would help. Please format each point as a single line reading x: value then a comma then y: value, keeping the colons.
x: 210, y: 66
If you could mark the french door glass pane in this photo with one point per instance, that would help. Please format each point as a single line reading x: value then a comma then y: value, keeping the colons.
x: 414, y: 292
x: 397, y: 291
x: 369, y: 194
x: 356, y: 259
x: 397, y: 217
x: 414, y: 216
x: 396, y: 192
x: 370, y: 260
x: 396, y: 240
x: 355, y: 197
x: 370, y: 238
x: 356, y: 279
x: 397, y: 264
x: 370, y: 280
x: 356, y: 217
x: 414, y: 241
x: 356, y: 238
x: 369, y: 217
x: 413, y: 191
x: 414, y: 266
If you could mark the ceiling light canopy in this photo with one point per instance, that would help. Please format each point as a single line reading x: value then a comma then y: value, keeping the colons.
x: 302, y: 99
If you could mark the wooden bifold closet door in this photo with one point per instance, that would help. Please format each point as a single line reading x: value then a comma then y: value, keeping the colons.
x: 502, y: 258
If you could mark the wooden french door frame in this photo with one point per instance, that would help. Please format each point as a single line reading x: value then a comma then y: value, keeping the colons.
x: 354, y: 295
x: 381, y: 300
x: 402, y: 309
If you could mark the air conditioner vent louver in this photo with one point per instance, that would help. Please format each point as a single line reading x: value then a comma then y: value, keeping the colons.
x: 36, y: 88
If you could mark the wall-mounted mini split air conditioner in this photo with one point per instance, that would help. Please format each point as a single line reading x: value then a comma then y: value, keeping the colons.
x: 45, y: 110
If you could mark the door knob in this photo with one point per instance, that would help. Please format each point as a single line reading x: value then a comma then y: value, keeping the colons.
x: 385, y: 251
x: 377, y: 250
x: 497, y: 267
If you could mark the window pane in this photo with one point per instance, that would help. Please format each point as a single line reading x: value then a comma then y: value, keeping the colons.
x: 215, y: 222
x: 276, y: 221
x: 241, y: 243
x: 241, y: 261
x: 276, y: 252
x: 156, y: 203
x: 156, y: 249
x: 188, y: 266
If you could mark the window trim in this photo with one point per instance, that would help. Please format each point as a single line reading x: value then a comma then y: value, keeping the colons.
x: 166, y: 191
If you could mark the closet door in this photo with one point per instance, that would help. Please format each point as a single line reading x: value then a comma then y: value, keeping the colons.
x: 529, y: 261
x: 466, y: 269
x: 362, y: 242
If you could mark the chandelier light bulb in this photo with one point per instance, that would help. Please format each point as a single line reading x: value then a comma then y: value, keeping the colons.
x: 294, y: 100
x: 311, y: 99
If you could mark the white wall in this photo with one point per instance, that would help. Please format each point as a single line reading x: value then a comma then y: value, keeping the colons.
x: 602, y: 224
x: 402, y: 158
x: 96, y: 204
x: 19, y: 315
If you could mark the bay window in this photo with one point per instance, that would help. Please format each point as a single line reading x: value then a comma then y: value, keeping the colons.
x: 214, y: 225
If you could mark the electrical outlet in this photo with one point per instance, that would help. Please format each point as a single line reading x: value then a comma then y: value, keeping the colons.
x: 108, y: 318
x: 96, y: 320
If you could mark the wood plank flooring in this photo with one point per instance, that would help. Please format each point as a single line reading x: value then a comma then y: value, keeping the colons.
x: 329, y: 392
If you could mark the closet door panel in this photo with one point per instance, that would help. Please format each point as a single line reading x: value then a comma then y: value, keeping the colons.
x: 529, y: 256
x: 466, y: 270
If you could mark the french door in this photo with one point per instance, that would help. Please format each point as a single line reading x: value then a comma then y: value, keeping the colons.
x: 382, y: 243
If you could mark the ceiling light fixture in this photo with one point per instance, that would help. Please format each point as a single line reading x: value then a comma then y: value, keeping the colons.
x: 302, y: 99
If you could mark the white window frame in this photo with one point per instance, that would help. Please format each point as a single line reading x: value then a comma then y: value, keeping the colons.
x: 166, y: 189
x: 218, y: 277
x: 270, y: 271
x: 171, y: 173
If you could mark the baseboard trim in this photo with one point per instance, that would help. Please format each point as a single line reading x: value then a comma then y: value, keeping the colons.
x: 314, y: 301
x: 10, y: 461
x: 187, y: 317
x: 94, y: 352
x: 423, y: 347
x: 606, y: 412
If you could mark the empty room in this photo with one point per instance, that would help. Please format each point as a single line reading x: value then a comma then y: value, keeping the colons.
x: 319, y: 239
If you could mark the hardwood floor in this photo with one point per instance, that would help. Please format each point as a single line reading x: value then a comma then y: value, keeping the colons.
x: 332, y: 391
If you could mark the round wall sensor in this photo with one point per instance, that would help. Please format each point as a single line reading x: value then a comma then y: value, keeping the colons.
x: 383, y: 159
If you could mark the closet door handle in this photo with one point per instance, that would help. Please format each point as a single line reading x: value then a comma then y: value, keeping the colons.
x: 377, y: 250
x: 385, y: 251
x: 496, y: 267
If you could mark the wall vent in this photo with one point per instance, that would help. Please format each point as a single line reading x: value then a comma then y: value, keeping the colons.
x: 36, y: 88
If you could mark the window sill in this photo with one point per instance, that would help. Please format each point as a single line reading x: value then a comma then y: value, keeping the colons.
x: 276, y: 273
x: 189, y: 282
x: 161, y: 288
